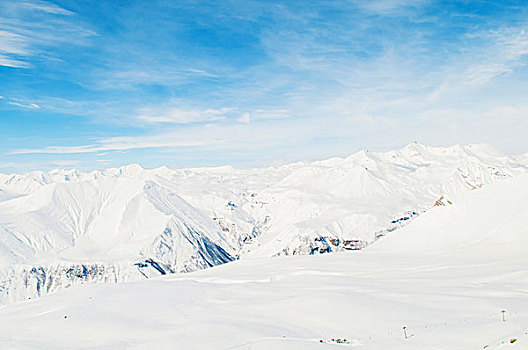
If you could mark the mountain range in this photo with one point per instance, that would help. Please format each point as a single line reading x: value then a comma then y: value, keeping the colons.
x: 65, y: 227
x: 453, y: 278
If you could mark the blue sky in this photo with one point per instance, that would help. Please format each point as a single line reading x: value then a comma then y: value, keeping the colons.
x: 93, y: 84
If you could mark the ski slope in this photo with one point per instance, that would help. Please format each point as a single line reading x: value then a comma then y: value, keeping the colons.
x: 446, y: 277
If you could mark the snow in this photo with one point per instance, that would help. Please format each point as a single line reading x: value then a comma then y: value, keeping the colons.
x: 495, y: 219
x: 129, y: 223
x: 446, y: 277
x: 359, y: 196
x: 446, y: 274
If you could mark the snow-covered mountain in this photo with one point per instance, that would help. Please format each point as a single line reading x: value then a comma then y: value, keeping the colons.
x: 66, y: 227
x: 445, y: 281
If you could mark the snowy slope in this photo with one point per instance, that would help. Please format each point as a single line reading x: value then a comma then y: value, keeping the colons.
x: 446, y: 277
x: 106, y: 220
x: 369, y: 194
x: 66, y: 227
x: 131, y: 227
x: 493, y: 220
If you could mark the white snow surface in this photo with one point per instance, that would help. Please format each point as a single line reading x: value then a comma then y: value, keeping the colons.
x: 65, y: 227
x: 446, y: 277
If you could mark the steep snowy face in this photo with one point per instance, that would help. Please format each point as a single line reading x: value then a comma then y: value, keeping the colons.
x: 107, y: 219
x: 143, y: 223
x: 132, y: 226
x: 348, y: 203
x: 488, y: 223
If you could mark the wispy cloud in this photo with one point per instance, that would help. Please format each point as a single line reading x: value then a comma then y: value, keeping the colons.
x: 12, y: 62
x: 270, y: 114
x: 245, y: 118
x: 175, y: 115
x: 28, y: 28
x: 19, y: 102
x: 385, y: 7
x: 491, y: 54
x: 132, y: 72
x: 245, y: 137
x: 181, y: 116
x: 29, y: 106
x: 112, y: 144
x: 202, y: 73
x: 38, y: 5
x: 13, y: 47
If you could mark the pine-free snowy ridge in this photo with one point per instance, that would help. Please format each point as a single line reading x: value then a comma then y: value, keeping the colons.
x: 65, y: 227
x: 446, y: 277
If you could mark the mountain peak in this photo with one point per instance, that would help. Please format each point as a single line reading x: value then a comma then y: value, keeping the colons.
x: 414, y: 147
